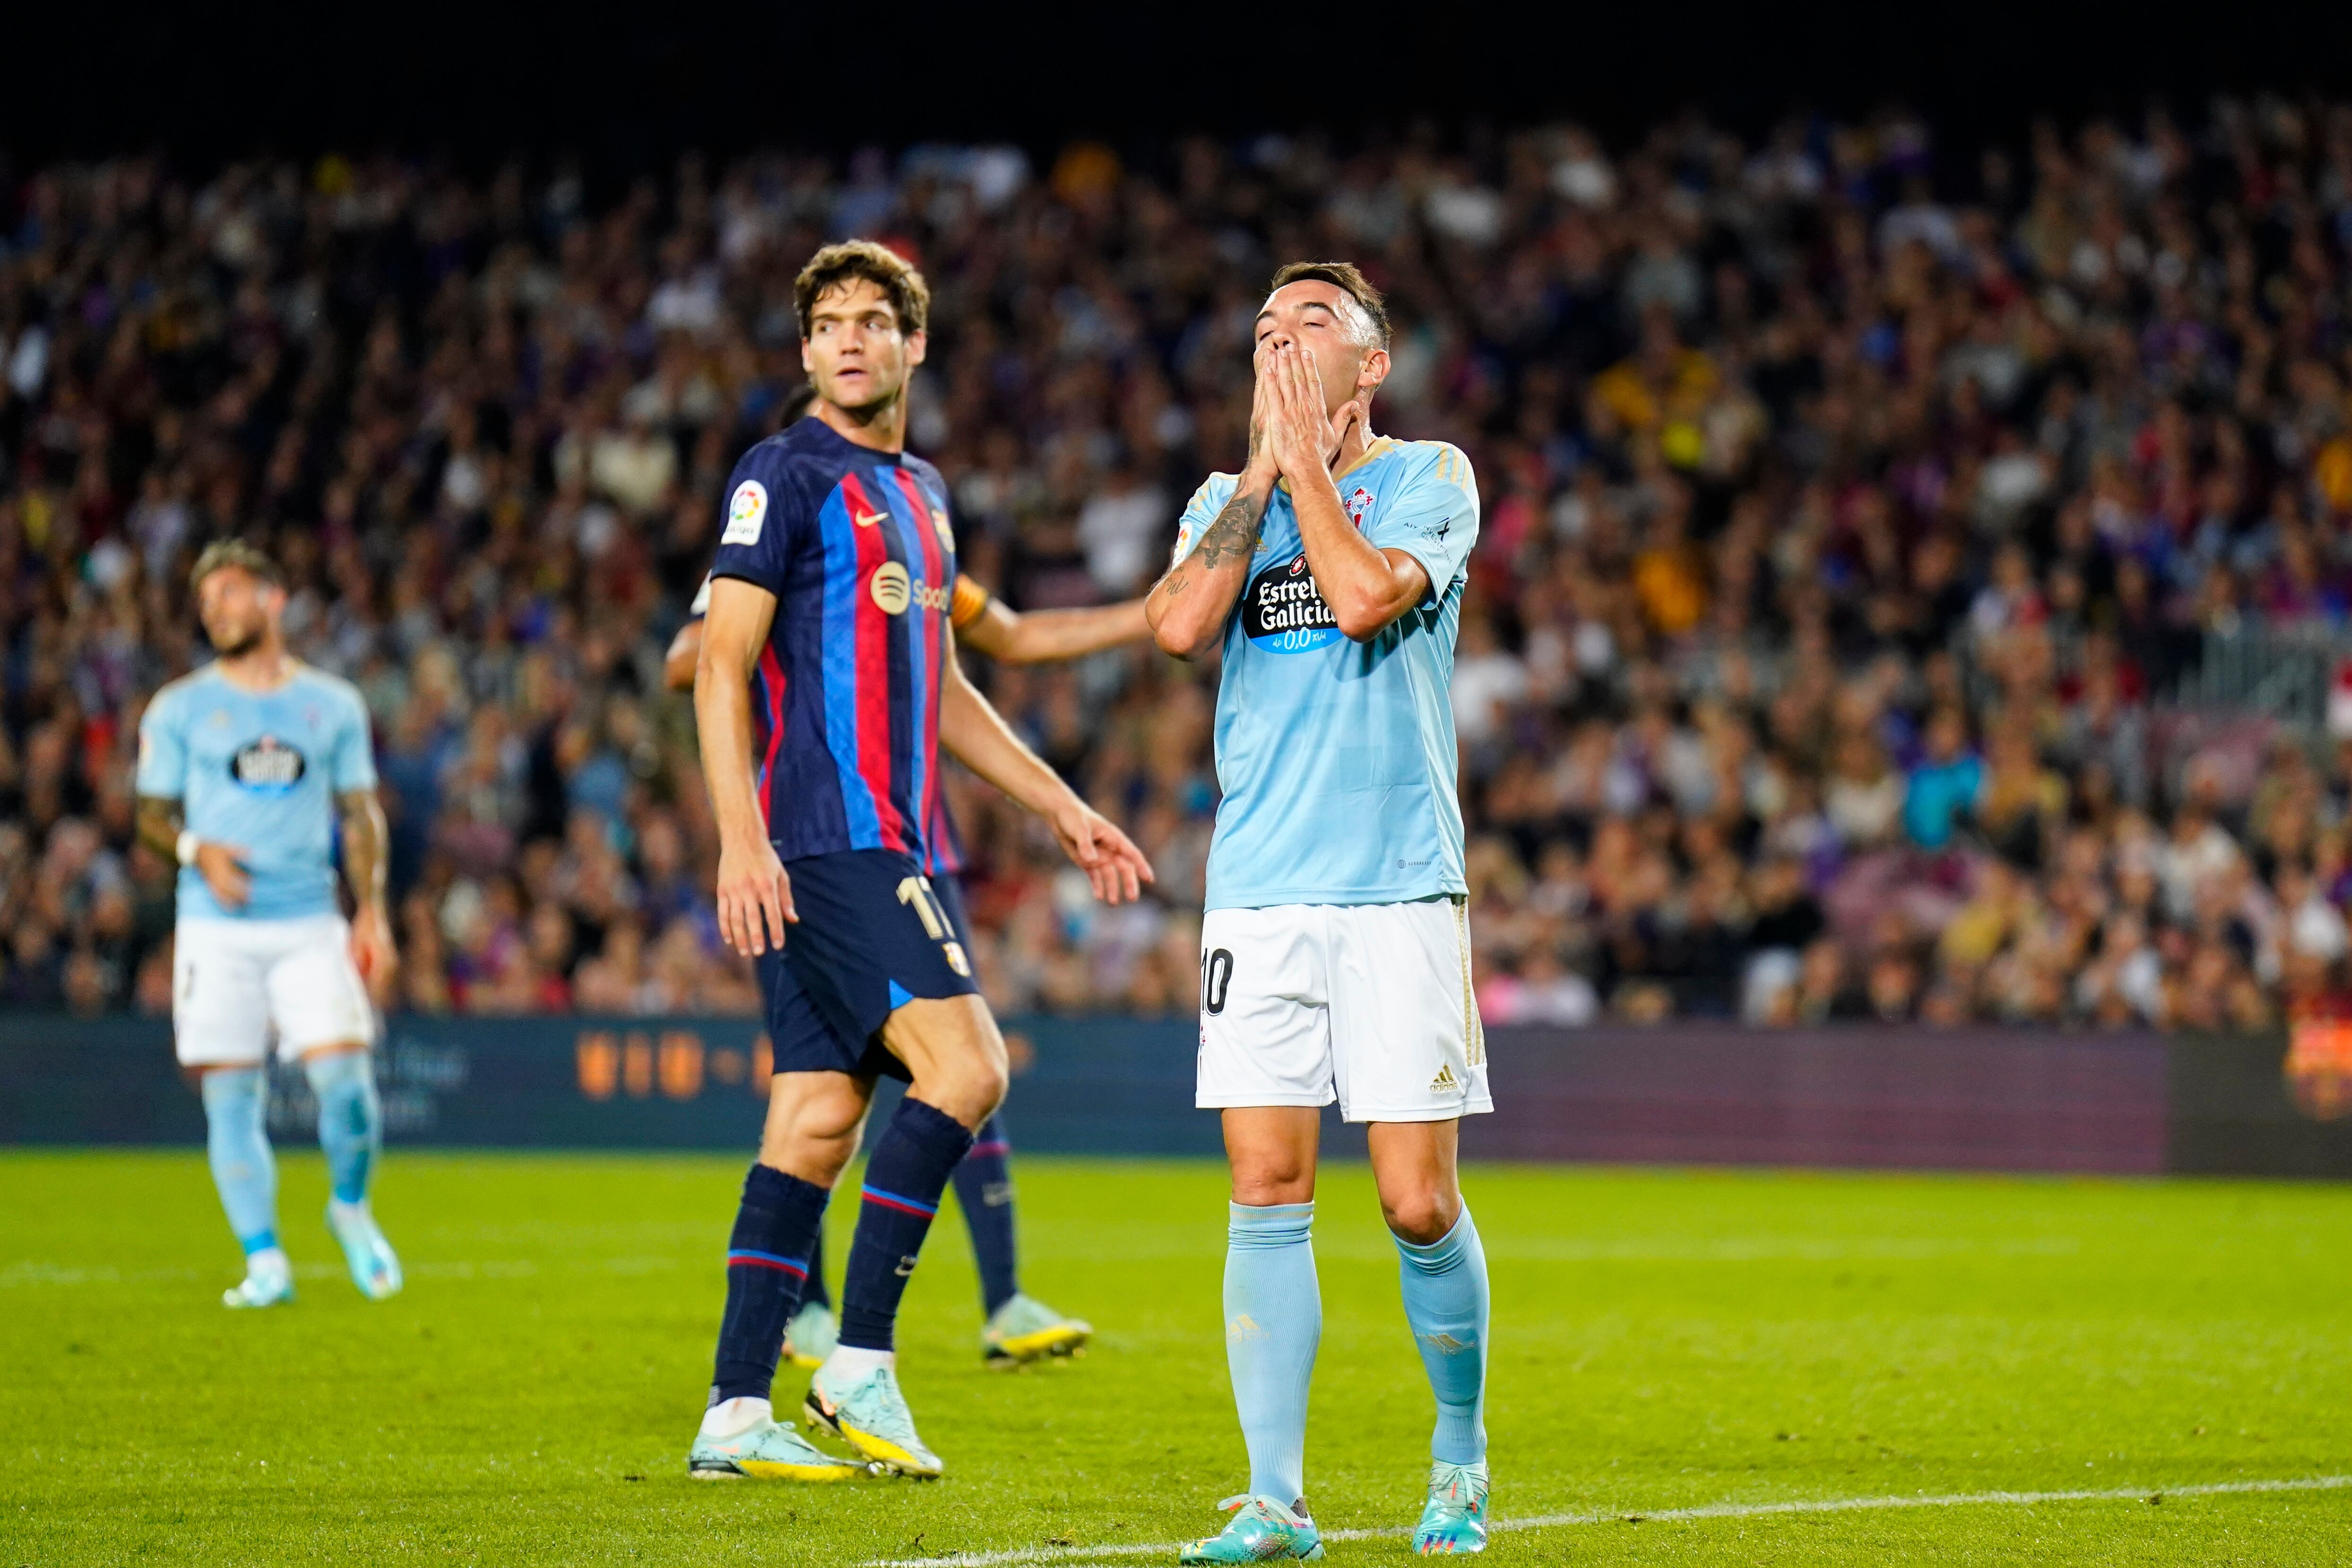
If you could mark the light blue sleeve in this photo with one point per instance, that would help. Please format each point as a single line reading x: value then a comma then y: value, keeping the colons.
x: 1199, y: 512
x: 163, y: 749
x: 354, y: 763
x: 1434, y: 516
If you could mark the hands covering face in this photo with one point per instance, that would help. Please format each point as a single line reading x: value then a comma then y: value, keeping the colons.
x: 1299, y: 436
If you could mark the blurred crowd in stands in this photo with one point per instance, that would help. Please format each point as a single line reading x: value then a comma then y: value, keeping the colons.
x: 1854, y: 509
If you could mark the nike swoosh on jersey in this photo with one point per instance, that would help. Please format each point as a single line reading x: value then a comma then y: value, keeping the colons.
x: 868, y: 519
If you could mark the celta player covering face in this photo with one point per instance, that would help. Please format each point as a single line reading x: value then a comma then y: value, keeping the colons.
x: 1335, y: 952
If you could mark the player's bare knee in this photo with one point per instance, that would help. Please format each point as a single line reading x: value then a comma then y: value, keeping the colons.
x: 954, y: 1053
x: 815, y: 1122
x: 816, y: 1158
x: 1275, y: 1174
x: 1422, y: 1214
x: 968, y: 1089
x: 1261, y: 1189
x: 1271, y: 1151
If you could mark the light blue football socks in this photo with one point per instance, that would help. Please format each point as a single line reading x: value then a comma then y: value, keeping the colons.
x: 1274, y: 1321
x: 351, y: 1120
x: 1445, y: 1305
x: 237, y: 1141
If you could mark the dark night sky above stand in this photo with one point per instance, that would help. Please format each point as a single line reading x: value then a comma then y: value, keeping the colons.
x: 629, y: 89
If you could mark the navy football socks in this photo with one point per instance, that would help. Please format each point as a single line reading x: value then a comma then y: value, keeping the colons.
x: 983, y: 1185
x: 768, y: 1259
x: 815, y: 1292
x: 904, y: 1178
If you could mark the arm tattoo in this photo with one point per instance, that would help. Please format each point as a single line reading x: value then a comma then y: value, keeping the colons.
x: 1233, y: 535
x: 158, y: 825
x: 1231, y: 538
x: 365, y: 840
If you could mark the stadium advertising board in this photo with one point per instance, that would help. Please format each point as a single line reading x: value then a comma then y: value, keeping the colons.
x: 1861, y: 1097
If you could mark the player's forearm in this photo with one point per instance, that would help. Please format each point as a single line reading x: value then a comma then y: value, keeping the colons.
x: 1042, y: 636
x: 722, y: 716
x: 1356, y: 578
x: 1187, y: 609
x: 366, y: 841
x: 977, y: 736
x: 685, y: 653
x: 160, y: 820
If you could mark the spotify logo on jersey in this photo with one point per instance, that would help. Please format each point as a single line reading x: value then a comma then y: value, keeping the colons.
x: 893, y: 591
x: 267, y: 766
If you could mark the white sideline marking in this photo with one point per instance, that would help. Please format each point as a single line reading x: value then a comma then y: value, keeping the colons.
x: 1663, y: 1516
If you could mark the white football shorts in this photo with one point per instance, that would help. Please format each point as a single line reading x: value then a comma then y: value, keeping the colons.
x: 237, y: 982
x: 1368, y: 1004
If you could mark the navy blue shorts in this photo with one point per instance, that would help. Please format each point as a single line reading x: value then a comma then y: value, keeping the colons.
x: 874, y: 934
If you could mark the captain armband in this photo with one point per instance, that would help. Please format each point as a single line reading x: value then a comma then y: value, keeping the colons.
x: 970, y: 603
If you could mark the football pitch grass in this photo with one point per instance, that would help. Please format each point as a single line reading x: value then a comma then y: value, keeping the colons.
x: 1676, y: 1355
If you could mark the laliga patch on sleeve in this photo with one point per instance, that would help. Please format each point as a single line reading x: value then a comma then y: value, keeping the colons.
x: 746, y: 510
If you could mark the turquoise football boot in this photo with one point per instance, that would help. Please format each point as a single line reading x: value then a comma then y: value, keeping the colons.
x: 375, y: 1269
x: 810, y: 1337
x: 1454, y: 1518
x: 1263, y: 1531
x: 871, y: 1416
x: 260, y: 1287
x: 765, y: 1451
x: 1025, y: 1329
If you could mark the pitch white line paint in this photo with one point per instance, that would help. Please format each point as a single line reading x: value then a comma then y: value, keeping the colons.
x: 1664, y: 1516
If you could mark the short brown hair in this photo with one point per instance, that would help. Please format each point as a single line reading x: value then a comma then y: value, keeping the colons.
x: 245, y: 558
x: 1343, y: 276
x: 837, y: 266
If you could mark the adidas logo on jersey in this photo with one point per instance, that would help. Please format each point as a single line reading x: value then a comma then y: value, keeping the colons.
x: 1445, y: 1083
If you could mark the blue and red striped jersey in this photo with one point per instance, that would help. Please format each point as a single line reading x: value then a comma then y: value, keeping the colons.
x: 943, y: 844
x: 857, y: 548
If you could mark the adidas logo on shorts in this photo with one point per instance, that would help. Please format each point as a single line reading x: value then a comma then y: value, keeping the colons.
x: 1445, y: 1083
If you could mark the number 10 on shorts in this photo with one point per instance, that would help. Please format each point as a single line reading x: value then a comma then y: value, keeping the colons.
x: 915, y: 891
x: 1216, y: 980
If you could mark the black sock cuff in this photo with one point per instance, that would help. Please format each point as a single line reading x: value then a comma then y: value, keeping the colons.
x: 765, y: 1187
x: 932, y: 1131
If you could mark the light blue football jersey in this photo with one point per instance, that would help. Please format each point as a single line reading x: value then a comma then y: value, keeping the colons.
x: 259, y: 771
x: 1337, y: 757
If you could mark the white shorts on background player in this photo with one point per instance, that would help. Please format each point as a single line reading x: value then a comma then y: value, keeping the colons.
x: 1369, y: 1004
x: 235, y: 983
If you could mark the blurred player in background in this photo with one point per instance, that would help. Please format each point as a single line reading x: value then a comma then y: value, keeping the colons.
x: 827, y: 681
x: 1017, y: 1327
x: 1336, y: 947
x: 245, y: 767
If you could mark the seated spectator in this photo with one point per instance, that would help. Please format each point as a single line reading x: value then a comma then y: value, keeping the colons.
x: 1865, y: 799
x: 1945, y: 787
